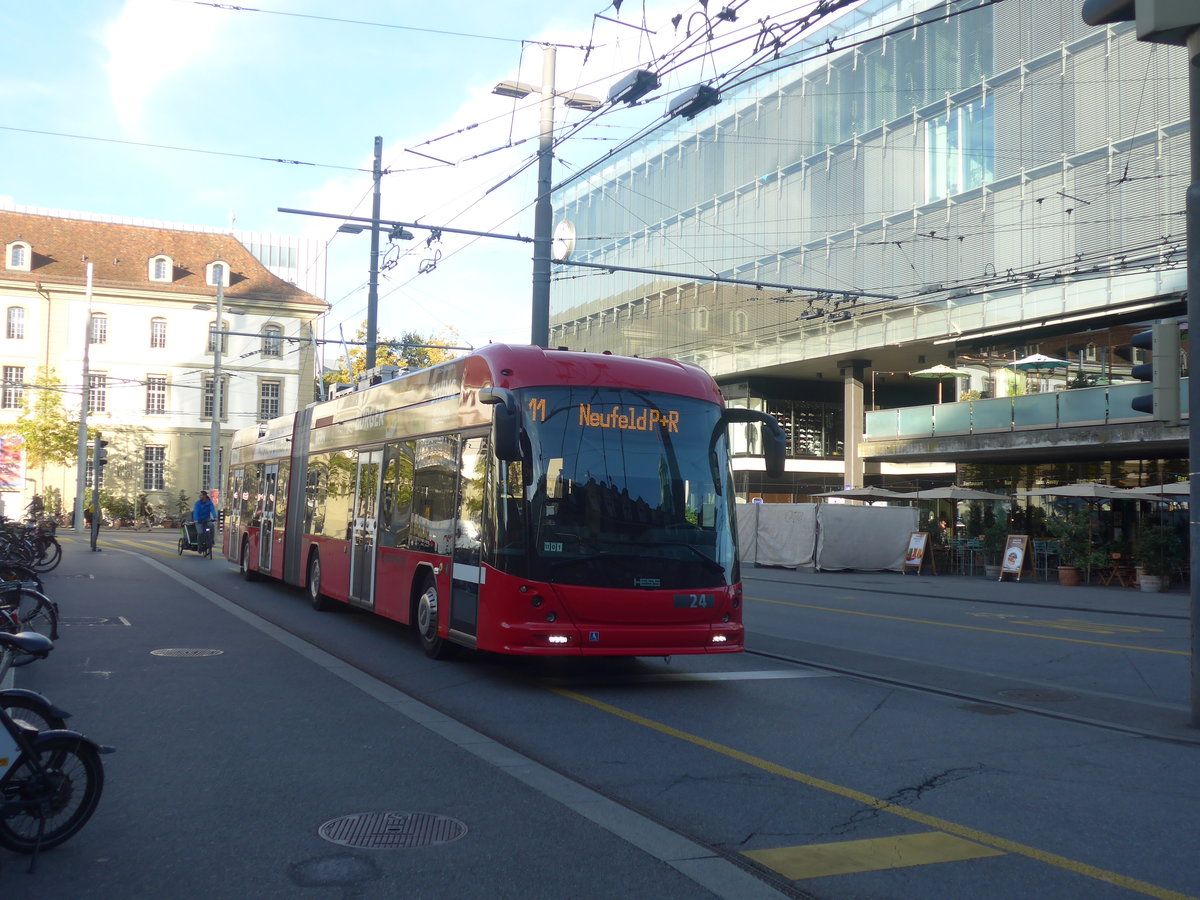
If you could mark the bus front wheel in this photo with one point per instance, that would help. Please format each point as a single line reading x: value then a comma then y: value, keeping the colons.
x: 435, y: 647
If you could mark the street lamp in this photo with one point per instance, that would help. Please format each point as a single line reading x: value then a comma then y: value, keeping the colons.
x: 543, y: 215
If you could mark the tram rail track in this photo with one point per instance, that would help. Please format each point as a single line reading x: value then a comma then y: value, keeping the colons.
x: 994, y: 699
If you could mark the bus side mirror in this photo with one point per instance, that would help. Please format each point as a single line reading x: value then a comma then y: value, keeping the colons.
x: 506, y: 423
x: 773, y: 439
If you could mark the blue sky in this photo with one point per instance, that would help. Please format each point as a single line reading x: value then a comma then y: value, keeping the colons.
x: 300, y: 80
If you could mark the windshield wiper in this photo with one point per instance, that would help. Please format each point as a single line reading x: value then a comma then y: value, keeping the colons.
x: 592, y: 557
x: 712, y: 564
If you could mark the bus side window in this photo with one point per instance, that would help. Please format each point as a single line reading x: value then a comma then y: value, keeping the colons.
x: 395, y: 512
x: 435, y: 478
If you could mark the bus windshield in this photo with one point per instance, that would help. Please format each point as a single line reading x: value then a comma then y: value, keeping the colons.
x: 626, y: 488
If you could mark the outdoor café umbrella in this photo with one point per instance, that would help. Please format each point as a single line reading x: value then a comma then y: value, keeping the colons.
x: 940, y: 372
x: 1088, y: 490
x: 956, y: 492
x: 1036, y: 362
x: 1172, y: 492
x: 866, y: 493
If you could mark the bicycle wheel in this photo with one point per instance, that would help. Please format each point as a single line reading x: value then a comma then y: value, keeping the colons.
x: 22, y: 709
x: 46, y: 802
x: 51, y: 556
x: 35, y: 612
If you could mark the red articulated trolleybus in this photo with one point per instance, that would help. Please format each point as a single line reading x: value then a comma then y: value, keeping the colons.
x: 515, y: 500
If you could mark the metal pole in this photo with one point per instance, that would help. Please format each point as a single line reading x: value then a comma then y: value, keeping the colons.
x: 1193, y: 293
x: 81, y: 445
x: 373, y: 288
x: 214, y: 441
x: 543, y: 215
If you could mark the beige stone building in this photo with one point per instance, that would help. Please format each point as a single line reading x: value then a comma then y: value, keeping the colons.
x: 148, y: 322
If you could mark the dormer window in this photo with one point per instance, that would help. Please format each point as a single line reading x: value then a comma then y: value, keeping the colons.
x: 161, y: 269
x: 218, y: 273
x: 18, y: 256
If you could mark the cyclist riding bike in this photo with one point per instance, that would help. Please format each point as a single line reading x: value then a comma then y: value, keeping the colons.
x: 204, y: 514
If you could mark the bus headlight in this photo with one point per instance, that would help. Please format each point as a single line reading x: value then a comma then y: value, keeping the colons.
x: 719, y: 639
x: 558, y: 639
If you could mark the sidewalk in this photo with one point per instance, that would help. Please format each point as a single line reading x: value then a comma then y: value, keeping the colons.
x: 1174, y: 603
x: 251, y: 763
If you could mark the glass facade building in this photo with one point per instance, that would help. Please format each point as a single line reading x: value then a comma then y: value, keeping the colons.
x: 972, y: 169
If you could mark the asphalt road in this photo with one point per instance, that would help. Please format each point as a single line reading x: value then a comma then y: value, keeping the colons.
x: 848, y: 777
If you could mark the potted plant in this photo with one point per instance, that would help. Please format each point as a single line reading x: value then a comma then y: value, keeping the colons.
x: 1159, y: 553
x: 1076, y: 551
x: 995, y: 538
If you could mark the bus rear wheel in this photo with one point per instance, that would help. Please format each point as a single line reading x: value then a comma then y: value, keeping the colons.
x: 244, y: 561
x: 435, y: 647
x: 319, y: 601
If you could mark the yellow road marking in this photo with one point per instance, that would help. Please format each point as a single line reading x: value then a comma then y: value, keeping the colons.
x: 883, y: 806
x: 846, y: 857
x: 1044, y: 637
x: 1070, y: 624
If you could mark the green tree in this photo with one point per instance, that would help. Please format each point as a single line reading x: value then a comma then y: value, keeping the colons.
x: 410, y: 350
x: 50, y: 435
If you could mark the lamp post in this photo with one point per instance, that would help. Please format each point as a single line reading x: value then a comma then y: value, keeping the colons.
x: 214, y: 447
x: 543, y: 215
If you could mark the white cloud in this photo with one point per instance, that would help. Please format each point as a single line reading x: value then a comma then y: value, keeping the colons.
x: 149, y: 42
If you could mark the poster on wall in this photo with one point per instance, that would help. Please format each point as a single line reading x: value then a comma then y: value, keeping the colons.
x: 12, y: 464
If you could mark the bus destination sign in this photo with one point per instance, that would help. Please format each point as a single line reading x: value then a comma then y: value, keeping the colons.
x: 629, y: 418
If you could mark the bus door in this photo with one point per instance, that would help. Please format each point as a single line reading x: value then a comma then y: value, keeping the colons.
x: 468, y: 537
x: 364, y: 529
x: 266, y: 530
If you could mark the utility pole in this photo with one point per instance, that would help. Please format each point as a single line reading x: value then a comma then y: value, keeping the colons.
x: 373, y: 284
x: 81, y: 445
x: 1177, y: 22
x: 543, y: 214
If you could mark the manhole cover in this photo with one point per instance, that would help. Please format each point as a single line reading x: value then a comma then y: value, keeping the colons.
x: 392, y: 830
x: 185, y: 651
x: 1035, y: 695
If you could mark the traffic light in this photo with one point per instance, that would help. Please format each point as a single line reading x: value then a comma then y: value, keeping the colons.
x: 1162, y: 340
x: 99, y: 460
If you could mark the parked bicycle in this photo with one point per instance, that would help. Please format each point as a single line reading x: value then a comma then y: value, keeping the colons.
x: 50, y: 781
x: 25, y: 608
x: 26, y: 706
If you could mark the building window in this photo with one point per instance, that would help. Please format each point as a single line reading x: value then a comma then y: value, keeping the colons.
x: 212, y: 336
x: 19, y: 254
x: 218, y: 273
x: 207, y: 411
x: 960, y: 150
x: 156, y: 395
x: 206, y: 474
x: 97, y: 393
x: 272, y: 341
x: 154, y: 466
x: 99, y: 334
x: 161, y: 268
x: 158, y: 333
x: 14, y: 328
x: 268, y: 400
x: 13, y: 391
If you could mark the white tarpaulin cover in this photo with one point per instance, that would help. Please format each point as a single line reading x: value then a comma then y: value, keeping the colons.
x: 786, y: 534
x: 871, y: 538
x: 747, y: 531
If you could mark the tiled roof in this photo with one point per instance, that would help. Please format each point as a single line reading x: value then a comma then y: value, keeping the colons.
x: 120, y: 254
